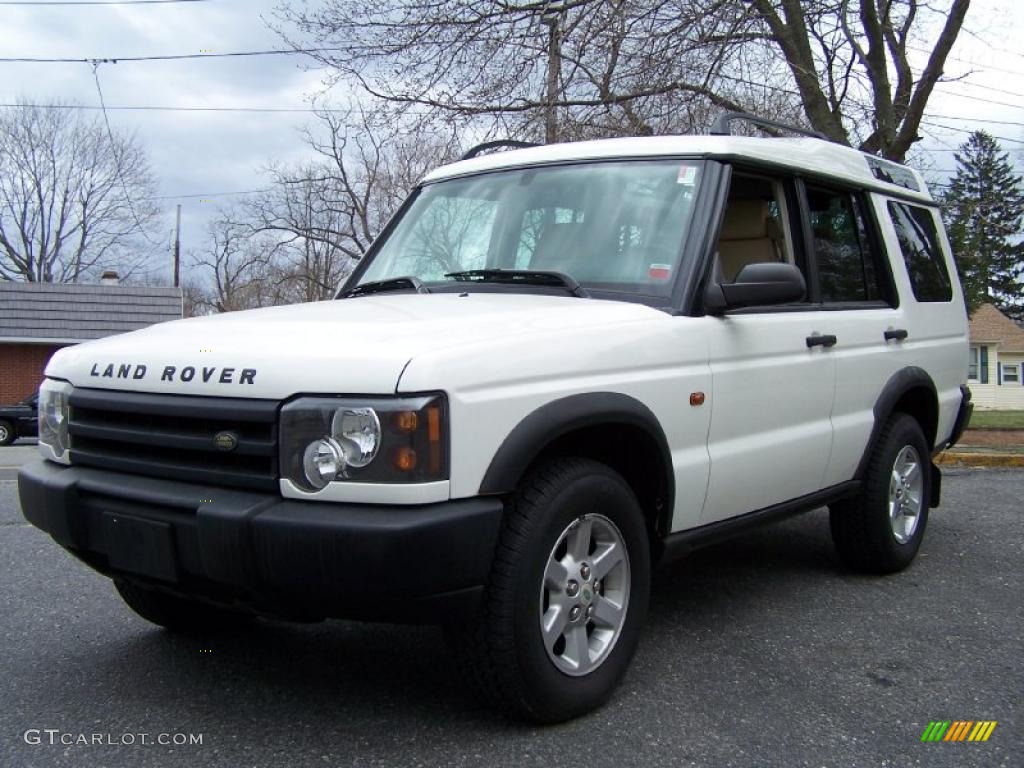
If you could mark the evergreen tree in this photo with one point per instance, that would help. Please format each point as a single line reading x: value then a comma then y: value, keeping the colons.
x: 983, y: 210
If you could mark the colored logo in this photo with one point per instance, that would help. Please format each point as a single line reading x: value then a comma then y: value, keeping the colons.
x: 958, y: 730
x: 225, y: 441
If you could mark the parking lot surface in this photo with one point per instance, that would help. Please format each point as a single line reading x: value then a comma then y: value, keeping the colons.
x: 759, y: 652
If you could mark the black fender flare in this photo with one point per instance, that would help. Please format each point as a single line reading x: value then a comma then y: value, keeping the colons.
x: 896, y: 387
x: 567, y: 414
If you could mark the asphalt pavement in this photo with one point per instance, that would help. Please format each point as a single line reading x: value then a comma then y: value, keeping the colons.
x: 758, y: 652
x: 14, y: 455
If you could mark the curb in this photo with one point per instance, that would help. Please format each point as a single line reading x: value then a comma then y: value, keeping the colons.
x: 955, y: 459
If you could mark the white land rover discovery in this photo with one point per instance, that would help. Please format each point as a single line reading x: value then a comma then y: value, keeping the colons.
x: 556, y: 367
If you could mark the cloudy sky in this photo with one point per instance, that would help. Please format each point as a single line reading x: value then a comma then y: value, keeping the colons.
x: 199, y: 156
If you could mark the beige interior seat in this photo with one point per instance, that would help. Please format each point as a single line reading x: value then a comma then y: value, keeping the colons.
x: 559, y: 248
x: 745, y: 237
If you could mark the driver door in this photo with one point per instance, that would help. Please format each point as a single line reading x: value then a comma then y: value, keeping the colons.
x: 773, y: 377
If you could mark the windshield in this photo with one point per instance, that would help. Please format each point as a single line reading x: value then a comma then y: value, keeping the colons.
x: 617, y: 226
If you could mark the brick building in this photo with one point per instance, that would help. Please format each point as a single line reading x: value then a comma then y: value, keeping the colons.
x: 37, y: 319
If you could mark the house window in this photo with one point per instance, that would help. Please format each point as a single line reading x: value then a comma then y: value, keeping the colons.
x: 972, y: 364
x: 1011, y: 373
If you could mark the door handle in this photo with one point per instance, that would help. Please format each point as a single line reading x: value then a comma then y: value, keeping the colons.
x: 818, y: 340
x: 896, y: 335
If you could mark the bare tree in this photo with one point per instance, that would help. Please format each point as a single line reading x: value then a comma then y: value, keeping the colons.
x: 621, y: 66
x: 644, y: 66
x: 324, y: 214
x: 298, y: 240
x: 234, y: 266
x: 842, y: 55
x: 72, y: 202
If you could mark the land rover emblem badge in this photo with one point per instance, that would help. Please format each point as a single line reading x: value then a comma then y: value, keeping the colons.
x: 225, y: 441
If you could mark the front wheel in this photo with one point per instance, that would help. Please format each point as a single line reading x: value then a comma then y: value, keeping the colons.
x: 7, y: 435
x: 567, y: 595
x: 881, y: 530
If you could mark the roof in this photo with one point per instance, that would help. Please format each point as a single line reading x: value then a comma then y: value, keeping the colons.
x: 73, y: 312
x: 809, y: 155
x: 991, y: 326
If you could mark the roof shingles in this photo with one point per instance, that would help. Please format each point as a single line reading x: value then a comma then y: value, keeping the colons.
x: 989, y: 325
x: 73, y: 312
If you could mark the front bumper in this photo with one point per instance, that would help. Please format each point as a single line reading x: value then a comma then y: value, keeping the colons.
x: 296, y: 559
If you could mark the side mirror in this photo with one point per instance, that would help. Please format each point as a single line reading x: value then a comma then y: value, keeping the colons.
x: 756, y: 285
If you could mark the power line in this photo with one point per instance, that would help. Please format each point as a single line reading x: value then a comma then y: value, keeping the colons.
x: 208, y: 194
x: 969, y: 84
x: 991, y: 47
x: 342, y: 110
x: 169, y: 57
x: 967, y: 130
x: 99, y: 2
x: 970, y: 63
x: 117, y: 158
x: 983, y: 87
x: 158, y: 108
x: 965, y: 120
x: 982, y: 99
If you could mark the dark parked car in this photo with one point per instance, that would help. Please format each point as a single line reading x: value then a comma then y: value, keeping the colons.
x: 19, y: 420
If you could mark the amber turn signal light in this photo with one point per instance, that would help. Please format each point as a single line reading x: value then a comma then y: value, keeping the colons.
x: 406, y: 421
x: 405, y: 459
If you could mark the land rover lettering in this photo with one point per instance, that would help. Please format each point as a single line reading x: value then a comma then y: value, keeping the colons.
x: 118, y: 371
x: 190, y: 373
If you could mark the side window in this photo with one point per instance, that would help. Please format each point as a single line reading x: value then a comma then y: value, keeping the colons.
x: 919, y: 242
x: 755, y: 226
x: 848, y: 269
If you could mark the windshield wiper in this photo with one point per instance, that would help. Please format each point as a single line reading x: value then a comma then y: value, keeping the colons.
x: 522, y: 277
x: 383, y: 286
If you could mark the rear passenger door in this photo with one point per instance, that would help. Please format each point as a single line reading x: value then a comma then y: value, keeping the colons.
x: 860, y: 307
x: 932, y: 302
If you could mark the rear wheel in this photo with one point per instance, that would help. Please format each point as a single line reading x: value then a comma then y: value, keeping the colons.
x: 6, y: 433
x: 177, y: 613
x: 567, y: 595
x: 881, y: 530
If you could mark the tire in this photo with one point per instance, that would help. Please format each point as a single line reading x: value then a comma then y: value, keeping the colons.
x: 177, y: 613
x: 502, y: 650
x: 874, y: 533
x: 7, y: 433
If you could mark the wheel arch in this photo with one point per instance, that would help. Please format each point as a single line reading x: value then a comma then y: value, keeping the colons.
x: 610, y: 427
x: 912, y: 391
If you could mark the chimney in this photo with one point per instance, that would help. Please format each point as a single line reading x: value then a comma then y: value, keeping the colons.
x: 109, y: 278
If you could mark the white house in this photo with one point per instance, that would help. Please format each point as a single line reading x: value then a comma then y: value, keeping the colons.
x: 995, y: 360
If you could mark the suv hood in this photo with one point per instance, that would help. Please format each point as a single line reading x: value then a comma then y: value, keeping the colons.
x: 350, y: 346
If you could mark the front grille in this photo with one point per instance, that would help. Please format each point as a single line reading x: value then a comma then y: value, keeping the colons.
x: 172, y: 436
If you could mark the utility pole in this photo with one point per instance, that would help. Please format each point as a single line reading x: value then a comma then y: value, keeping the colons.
x: 552, y: 16
x: 177, y: 249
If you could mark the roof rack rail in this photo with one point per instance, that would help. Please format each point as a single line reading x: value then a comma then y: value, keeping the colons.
x: 480, y: 148
x: 721, y: 126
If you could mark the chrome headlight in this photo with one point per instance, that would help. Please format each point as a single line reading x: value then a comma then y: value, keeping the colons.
x: 54, y: 413
x: 365, y: 440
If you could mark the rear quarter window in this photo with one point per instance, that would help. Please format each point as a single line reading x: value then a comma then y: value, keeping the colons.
x: 919, y: 244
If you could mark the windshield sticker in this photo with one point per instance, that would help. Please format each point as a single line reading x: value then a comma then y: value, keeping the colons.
x: 659, y: 271
x: 687, y: 175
